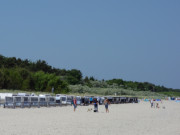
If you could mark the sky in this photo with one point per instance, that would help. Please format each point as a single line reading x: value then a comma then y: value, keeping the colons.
x: 135, y: 40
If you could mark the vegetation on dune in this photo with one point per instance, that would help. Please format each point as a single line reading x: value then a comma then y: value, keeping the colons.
x: 171, y: 93
x: 22, y: 79
x: 37, y: 76
x: 114, y: 91
x: 18, y: 74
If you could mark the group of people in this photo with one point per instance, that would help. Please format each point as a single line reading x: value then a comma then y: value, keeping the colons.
x: 95, y: 102
x: 154, y: 104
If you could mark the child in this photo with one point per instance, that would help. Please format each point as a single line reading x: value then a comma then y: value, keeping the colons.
x: 157, y: 105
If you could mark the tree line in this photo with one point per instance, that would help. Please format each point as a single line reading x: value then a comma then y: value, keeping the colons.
x: 73, y: 76
x: 16, y: 73
x: 139, y: 86
x: 22, y: 79
x: 130, y: 85
x: 19, y: 74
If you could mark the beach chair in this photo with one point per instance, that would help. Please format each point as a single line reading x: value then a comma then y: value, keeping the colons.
x: 26, y: 101
x: 34, y: 101
x: 63, y: 100
x: 51, y: 101
x: 110, y: 99
x: 116, y: 100
x: 69, y: 100
x: 43, y: 100
x: 100, y: 100
x: 18, y: 101
x: 122, y: 100
x: 9, y: 102
x: 58, y: 100
x: 78, y: 99
x: 86, y: 101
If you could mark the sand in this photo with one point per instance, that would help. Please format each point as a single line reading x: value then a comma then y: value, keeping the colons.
x: 123, y: 119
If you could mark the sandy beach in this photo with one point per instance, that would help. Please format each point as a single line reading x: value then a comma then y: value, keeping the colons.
x: 123, y: 119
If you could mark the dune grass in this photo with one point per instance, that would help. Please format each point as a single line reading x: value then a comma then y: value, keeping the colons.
x: 85, y: 90
x: 80, y: 90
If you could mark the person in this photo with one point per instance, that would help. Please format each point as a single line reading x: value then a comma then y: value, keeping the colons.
x: 52, y: 90
x: 106, y: 103
x: 95, y: 105
x: 157, y: 105
x: 151, y: 101
x: 75, y: 104
x: 154, y: 103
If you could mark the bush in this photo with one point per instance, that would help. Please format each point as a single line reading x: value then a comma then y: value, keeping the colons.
x: 111, y: 91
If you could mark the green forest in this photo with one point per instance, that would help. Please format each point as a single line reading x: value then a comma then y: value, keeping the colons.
x: 18, y: 74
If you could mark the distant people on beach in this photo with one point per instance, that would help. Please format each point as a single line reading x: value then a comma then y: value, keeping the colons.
x: 75, y: 104
x: 106, y: 103
x: 152, y: 103
x: 157, y: 105
x: 95, y: 102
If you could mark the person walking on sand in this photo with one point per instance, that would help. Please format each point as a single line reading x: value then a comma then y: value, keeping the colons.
x: 106, y: 103
x: 151, y: 101
x: 154, y: 103
x: 75, y: 104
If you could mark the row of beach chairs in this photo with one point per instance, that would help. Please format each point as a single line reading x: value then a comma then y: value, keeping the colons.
x: 24, y: 100
x: 29, y: 101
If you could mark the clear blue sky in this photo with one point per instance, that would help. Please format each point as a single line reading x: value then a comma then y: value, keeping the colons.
x: 137, y: 40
